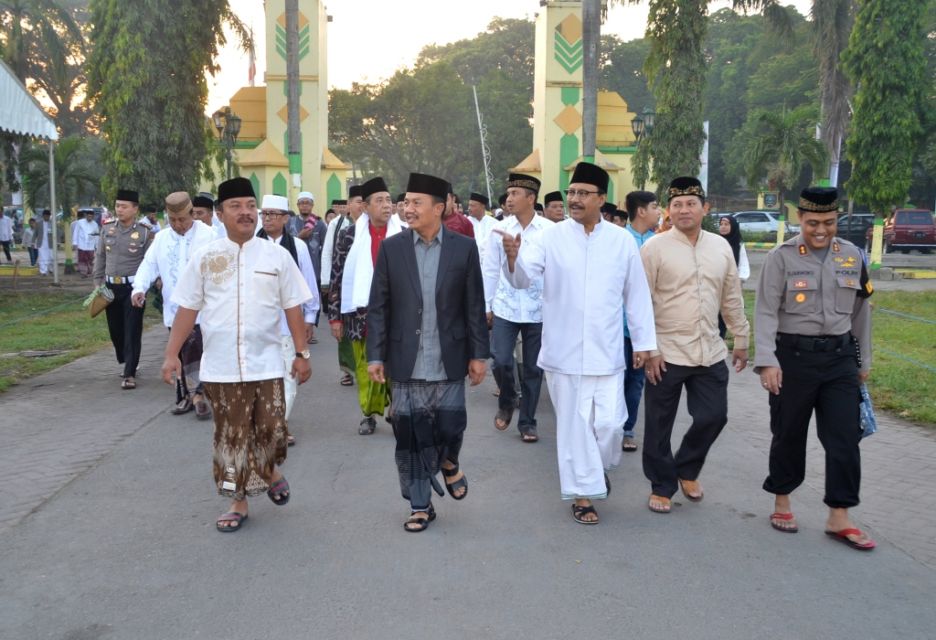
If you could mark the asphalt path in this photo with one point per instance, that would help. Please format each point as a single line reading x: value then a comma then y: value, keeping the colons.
x: 128, y: 548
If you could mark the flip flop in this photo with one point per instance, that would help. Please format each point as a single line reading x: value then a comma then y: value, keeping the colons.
x: 277, y: 490
x: 578, y: 511
x: 689, y: 485
x: 842, y: 536
x: 783, y: 517
x: 666, y: 504
x: 234, y: 519
x: 629, y: 444
x: 529, y: 436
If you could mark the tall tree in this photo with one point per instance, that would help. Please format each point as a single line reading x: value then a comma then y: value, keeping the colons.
x: 885, y: 60
x: 28, y: 26
x: 151, y: 99
x: 676, y: 71
x: 591, y: 41
x: 833, y: 22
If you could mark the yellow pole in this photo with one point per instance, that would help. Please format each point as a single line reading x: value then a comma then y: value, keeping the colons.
x: 877, y: 241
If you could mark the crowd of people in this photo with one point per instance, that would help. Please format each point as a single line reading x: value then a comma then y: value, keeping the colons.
x: 607, y: 306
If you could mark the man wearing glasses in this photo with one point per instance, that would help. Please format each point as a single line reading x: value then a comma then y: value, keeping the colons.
x: 592, y: 272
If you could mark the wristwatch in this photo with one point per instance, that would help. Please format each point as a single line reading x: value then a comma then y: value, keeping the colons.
x: 305, y: 355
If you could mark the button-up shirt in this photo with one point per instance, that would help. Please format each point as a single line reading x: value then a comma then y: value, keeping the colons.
x: 239, y: 291
x: 516, y: 305
x: 640, y: 238
x: 429, y: 352
x: 166, y: 258
x: 6, y: 229
x: 120, y: 250
x: 310, y: 308
x: 690, y: 284
x: 588, y: 280
x: 482, y: 232
x: 85, y: 234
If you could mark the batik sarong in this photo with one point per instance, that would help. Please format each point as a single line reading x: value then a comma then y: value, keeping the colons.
x: 429, y: 424
x: 372, y: 396
x: 249, y: 434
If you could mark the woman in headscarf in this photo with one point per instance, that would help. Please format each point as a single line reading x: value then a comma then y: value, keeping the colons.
x: 730, y: 230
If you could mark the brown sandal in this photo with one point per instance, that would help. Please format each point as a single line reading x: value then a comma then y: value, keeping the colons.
x: 663, y: 504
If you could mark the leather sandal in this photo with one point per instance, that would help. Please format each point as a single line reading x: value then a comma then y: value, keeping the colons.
x: 458, y: 484
x: 578, y: 511
x: 690, y: 487
x: 421, y: 522
x: 663, y: 504
x: 279, y: 492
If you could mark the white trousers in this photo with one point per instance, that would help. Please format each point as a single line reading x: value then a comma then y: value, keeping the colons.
x: 590, y: 417
x: 45, y: 260
x: 290, y: 387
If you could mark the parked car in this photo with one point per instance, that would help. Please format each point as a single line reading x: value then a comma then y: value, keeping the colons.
x: 908, y: 229
x: 856, y: 229
x: 761, y: 222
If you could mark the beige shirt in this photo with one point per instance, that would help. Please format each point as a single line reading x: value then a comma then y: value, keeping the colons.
x: 800, y: 294
x: 689, y: 285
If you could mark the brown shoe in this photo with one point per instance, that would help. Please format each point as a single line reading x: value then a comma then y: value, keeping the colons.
x: 692, y: 490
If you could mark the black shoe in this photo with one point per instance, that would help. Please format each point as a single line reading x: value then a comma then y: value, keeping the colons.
x: 368, y: 425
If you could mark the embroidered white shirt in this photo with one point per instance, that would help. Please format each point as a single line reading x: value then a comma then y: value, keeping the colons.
x: 166, y: 258
x: 240, y: 291
x: 516, y: 305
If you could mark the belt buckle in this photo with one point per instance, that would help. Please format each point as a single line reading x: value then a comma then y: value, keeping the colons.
x: 820, y: 344
x: 117, y: 280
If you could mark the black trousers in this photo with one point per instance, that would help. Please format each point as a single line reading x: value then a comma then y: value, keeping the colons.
x: 6, y: 250
x: 707, y: 401
x: 125, y: 324
x: 827, y: 383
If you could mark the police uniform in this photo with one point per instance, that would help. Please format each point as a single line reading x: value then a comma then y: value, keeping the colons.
x: 119, y: 253
x: 813, y: 321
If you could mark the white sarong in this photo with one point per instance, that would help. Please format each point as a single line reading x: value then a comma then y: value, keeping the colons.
x: 590, y: 416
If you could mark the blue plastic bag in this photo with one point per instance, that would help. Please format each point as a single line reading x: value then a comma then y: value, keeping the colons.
x: 868, y: 421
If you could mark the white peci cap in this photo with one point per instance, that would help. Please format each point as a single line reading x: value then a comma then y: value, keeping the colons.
x: 306, y: 195
x: 275, y: 202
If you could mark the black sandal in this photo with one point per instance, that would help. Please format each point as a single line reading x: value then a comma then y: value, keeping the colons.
x: 458, y: 484
x: 503, y: 416
x: 578, y: 511
x: 279, y: 492
x: 422, y: 521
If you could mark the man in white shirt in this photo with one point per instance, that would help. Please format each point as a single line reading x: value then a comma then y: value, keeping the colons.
x: 85, y: 235
x: 481, y: 221
x: 45, y: 229
x: 149, y: 220
x: 513, y: 312
x: 239, y: 284
x: 165, y: 260
x: 591, y: 272
x: 274, y: 211
x: 6, y: 235
x: 692, y: 275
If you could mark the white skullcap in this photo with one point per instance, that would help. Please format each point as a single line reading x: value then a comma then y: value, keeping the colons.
x: 306, y: 195
x: 275, y: 202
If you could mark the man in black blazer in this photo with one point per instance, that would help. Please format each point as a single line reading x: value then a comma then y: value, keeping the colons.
x: 426, y: 330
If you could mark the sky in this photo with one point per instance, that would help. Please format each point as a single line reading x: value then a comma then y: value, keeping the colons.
x: 393, y: 34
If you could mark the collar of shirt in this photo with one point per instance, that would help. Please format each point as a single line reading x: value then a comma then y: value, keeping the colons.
x: 640, y: 237
x: 438, y: 237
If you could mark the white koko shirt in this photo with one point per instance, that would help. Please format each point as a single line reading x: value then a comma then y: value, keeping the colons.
x: 516, y: 305
x: 588, y: 281
x: 239, y: 292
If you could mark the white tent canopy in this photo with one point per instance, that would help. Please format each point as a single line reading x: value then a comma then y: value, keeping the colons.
x: 21, y: 115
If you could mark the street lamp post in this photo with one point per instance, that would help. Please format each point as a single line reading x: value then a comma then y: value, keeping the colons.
x: 642, y: 126
x: 228, y: 125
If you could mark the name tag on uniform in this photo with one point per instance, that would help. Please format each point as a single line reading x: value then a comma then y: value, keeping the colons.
x: 800, y: 284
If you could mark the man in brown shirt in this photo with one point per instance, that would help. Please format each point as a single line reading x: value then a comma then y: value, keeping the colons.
x: 692, y: 276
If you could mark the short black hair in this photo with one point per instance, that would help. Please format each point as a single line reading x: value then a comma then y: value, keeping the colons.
x: 636, y: 199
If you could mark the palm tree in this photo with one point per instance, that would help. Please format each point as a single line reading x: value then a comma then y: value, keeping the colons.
x: 74, y: 176
x: 781, y: 143
x: 833, y: 21
x: 34, y: 25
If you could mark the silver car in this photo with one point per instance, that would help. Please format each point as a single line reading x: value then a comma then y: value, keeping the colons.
x: 761, y: 222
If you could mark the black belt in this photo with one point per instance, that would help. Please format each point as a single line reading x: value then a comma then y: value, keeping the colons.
x: 813, y: 343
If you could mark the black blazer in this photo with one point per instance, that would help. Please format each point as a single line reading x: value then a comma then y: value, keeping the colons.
x: 394, y: 313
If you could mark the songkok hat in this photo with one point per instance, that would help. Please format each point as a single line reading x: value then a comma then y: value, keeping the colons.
x: 149, y: 208
x: 279, y: 203
x: 203, y: 201
x: 128, y: 195
x: 552, y: 196
x: 818, y: 199
x: 477, y: 197
x: 430, y: 185
x: 537, y: 207
x: 588, y: 173
x: 306, y: 195
x: 336, y: 203
x: 686, y: 186
x: 522, y: 180
x: 235, y: 188
x: 355, y: 191
x: 400, y: 198
x: 178, y: 202
x: 372, y: 186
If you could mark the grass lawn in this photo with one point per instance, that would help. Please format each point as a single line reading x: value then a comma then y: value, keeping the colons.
x: 48, y: 321
x: 903, y: 347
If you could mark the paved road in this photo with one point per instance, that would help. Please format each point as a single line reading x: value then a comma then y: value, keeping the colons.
x: 107, y: 531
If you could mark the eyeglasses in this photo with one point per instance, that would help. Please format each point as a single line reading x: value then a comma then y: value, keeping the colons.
x: 272, y: 214
x: 579, y: 193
